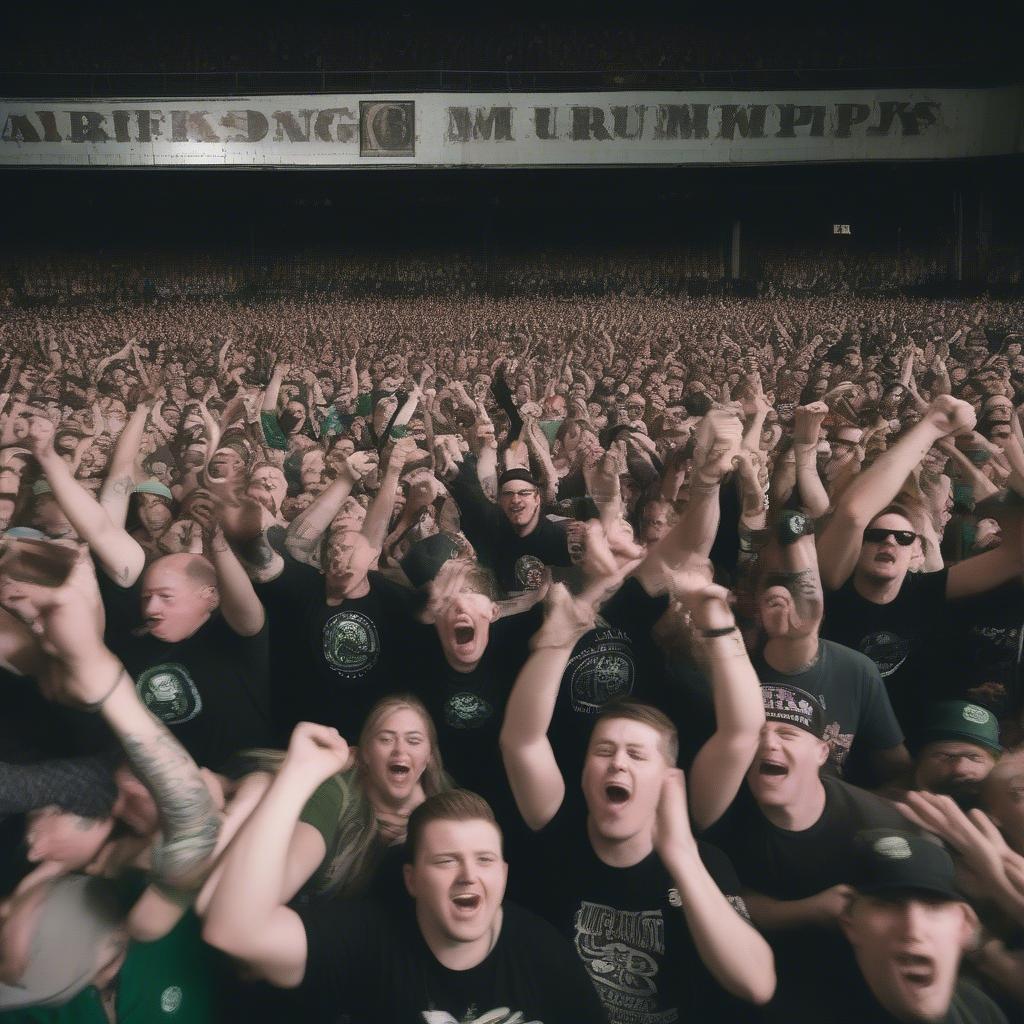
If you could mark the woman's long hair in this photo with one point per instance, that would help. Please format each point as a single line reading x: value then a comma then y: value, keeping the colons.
x: 358, y: 842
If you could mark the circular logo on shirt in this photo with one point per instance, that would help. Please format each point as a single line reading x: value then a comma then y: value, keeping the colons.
x: 972, y: 713
x: 602, y: 671
x: 893, y: 847
x: 351, y: 644
x: 169, y: 692
x: 887, y: 650
x: 467, y: 710
x: 529, y: 572
x: 170, y: 999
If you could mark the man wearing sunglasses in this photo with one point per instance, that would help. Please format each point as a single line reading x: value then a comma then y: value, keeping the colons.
x: 873, y: 603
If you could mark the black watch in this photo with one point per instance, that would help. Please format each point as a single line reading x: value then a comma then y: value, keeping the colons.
x: 792, y: 525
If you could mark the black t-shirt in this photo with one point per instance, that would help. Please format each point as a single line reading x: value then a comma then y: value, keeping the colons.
x: 628, y: 926
x: 517, y: 561
x: 468, y: 707
x: 372, y: 961
x: 210, y: 690
x: 907, y: 639
x: 615, y: 660
x: 788, y: 865
x: 858, y: 713
x: 332, y: 663
x: 985, y: 640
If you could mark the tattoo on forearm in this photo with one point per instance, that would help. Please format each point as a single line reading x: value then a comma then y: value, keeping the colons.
x: 187, y: 815
x: 122, y: 486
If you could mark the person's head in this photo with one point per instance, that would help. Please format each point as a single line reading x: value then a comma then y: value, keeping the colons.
x: 155, y: 512
x: 293, y: 417
x: 57, y: 937
x: 60, y: 837
x: 519, y: 499
x: 988, y: 534
x: 227, y: 465
x: 49, y: 518
x: 632, y: 746
x: 784, y: 774
x: 179, y: 594
x: 398, y: 752
x: 348, y: 556
x: 907, y: 924
x: 267, y: 484
x: 462, y: 606
x: 311, y: 469
x: 657, y: 519
x: 1002, y: 797
x: 888, y: 547
x: 340, y: 450
x: 959, y: 746
x: 456, y: 870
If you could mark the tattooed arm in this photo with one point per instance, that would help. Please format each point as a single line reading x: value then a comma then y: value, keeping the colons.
x: 120, y: 555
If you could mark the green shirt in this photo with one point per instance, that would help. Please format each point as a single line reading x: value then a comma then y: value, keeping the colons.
x: 174, y: 980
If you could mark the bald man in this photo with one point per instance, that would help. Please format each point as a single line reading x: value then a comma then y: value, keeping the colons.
x: 199, y: 658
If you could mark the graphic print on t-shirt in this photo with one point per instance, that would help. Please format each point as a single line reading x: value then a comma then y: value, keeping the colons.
x: 602, y: 671
x: 529, y: 572
x: 887, y: 650
x: 467, y: 710
x: 618, y: 949
x: 169, y: 692
x: 839, y: 743
x: 351, y: 644
x: 499, y: 1015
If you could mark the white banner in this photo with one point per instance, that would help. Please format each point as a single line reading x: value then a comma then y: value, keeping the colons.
x: 516, y: 129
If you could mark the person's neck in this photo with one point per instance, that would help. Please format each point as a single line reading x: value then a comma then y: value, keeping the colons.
x: 453, y: 954
x: 620, y: 853
x: 791, y: 654
x: 802, y: 813
x: 877, y: 591
x: 384, y: 807
x: 528, y: 528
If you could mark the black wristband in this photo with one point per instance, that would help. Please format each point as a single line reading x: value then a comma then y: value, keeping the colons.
x: 793, y: 525
x: 710, y: 634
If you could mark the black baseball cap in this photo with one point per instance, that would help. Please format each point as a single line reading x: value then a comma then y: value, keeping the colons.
x: 516, y: 474
x: 888, y: 860
x: 424, y: 559
x: 793, y: 705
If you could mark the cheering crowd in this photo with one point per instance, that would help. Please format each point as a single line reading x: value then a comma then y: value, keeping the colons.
x: 693, y: 625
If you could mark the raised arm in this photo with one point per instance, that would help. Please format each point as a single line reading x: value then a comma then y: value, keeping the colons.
x: 122, y: 558
x: 719, y: 437
x: 806, y: 429
x: 533, y: 772
x: 718, y: 769
x: 873, y: 488
x: 120, y: 479
x: 247, y: 917
x: 303, y: 540
x: 378, y: 515
x: 242, y: 609
x: 735, y: 954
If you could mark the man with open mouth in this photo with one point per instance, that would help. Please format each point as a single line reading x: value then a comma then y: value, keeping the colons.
x: 873, y: 603
x: 790, y: 833
x: 908, y: 928
x: 654, y: 914
x: 454, y: 951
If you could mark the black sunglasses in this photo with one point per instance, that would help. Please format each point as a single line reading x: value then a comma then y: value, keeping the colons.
x: 878, y: 534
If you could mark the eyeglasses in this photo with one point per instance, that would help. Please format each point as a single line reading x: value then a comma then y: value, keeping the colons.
x: 878, y: 535
x: 519, y: 494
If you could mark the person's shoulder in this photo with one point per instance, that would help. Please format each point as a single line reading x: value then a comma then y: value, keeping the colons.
x: 973, y: 1006
x: 529, y: 934
x: 840, y: 657
x: 870, y: 809
x: 921, y: 584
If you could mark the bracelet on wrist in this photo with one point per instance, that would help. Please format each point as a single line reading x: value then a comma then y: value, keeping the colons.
x: 94, y: 707
x: 711, y: 634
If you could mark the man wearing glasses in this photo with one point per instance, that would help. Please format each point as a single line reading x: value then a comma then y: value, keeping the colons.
x: 514, y: 539
x: 873, y: 603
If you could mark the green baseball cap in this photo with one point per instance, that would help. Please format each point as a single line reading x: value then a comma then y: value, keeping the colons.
x: 961, y: 720
x: 153, y: 486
